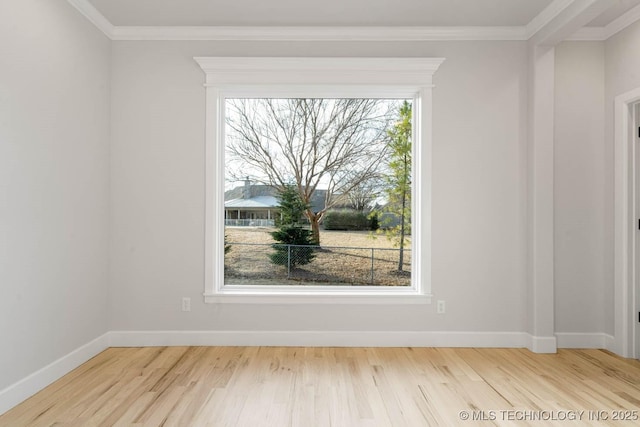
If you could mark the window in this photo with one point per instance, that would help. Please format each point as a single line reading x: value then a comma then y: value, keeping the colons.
x: 342, y: 170
x: 240, y: 92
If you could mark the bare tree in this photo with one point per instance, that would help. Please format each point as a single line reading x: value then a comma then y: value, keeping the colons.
x: 362, y: 197
x: 333, y: 144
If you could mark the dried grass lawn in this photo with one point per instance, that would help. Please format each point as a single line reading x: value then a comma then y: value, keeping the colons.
x: 345, y: 259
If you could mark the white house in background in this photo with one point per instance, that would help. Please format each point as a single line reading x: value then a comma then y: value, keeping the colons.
x: 256, y: 211
x: 256, y: 205
x: 251, y: 205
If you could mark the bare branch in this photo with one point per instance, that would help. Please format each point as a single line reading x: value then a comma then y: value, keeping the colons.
x: 333, y: 144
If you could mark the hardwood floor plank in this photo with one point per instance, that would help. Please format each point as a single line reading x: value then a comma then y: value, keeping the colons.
x: 350, y: 387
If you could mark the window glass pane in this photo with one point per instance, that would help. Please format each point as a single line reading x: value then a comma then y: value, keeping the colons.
x: 318, y: 191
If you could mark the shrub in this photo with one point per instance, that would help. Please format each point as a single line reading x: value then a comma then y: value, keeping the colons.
x: 374, y: 221
x: 346, y: 220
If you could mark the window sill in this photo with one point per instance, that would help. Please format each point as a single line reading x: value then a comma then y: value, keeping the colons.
x: 314, y: 295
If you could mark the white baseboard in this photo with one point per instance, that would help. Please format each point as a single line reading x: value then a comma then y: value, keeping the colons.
x: 16, y: 393
x: 610, y: 343
x: 543, y: 344
x: 319, y: 338
x: 27, y: 387
x: 584, y: 340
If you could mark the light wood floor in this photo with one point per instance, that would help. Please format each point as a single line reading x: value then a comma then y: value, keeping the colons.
x: 261, y: 386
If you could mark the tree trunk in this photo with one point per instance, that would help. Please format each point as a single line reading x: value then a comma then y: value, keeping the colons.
x: 402, y: 219
x: 403, y: 212
x: 315, y: 227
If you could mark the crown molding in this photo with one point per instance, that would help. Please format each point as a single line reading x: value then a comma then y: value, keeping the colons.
x: 610, y: 30
x: 549, y: 13
x: 573, y: 18
x: 320, y: 33
x: 234, y: 33
x: 622, y: 22
x: 398, y: 34
x: 94, y: 16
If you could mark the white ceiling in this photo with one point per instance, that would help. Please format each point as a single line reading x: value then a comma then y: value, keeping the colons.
x: 622, y: 7
x: 429, y: 13
x: 320, y: 12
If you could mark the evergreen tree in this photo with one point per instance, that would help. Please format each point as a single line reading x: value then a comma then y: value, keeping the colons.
x: 399, y: 180
x: 292, y: 207
x: 295, y: 242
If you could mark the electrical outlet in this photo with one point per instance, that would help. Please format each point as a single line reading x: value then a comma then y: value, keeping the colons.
x: 440, y: 308
x: 186, y: 304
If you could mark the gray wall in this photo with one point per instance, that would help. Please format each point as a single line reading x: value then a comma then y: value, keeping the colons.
x: 581, y: 192
x: 54, y: 135
x: 622, y: 74
x: 157, y: 191
x: 589, y: 75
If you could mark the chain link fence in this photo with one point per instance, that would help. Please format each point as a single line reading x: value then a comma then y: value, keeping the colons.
x: 255, y: 263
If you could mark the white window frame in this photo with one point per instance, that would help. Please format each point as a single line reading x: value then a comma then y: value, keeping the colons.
x: 401, y: 78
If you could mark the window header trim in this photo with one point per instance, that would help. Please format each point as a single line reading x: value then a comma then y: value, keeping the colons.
x: 416, y: 72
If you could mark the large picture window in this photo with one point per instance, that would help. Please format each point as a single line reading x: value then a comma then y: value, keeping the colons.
x: 318, y: 180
